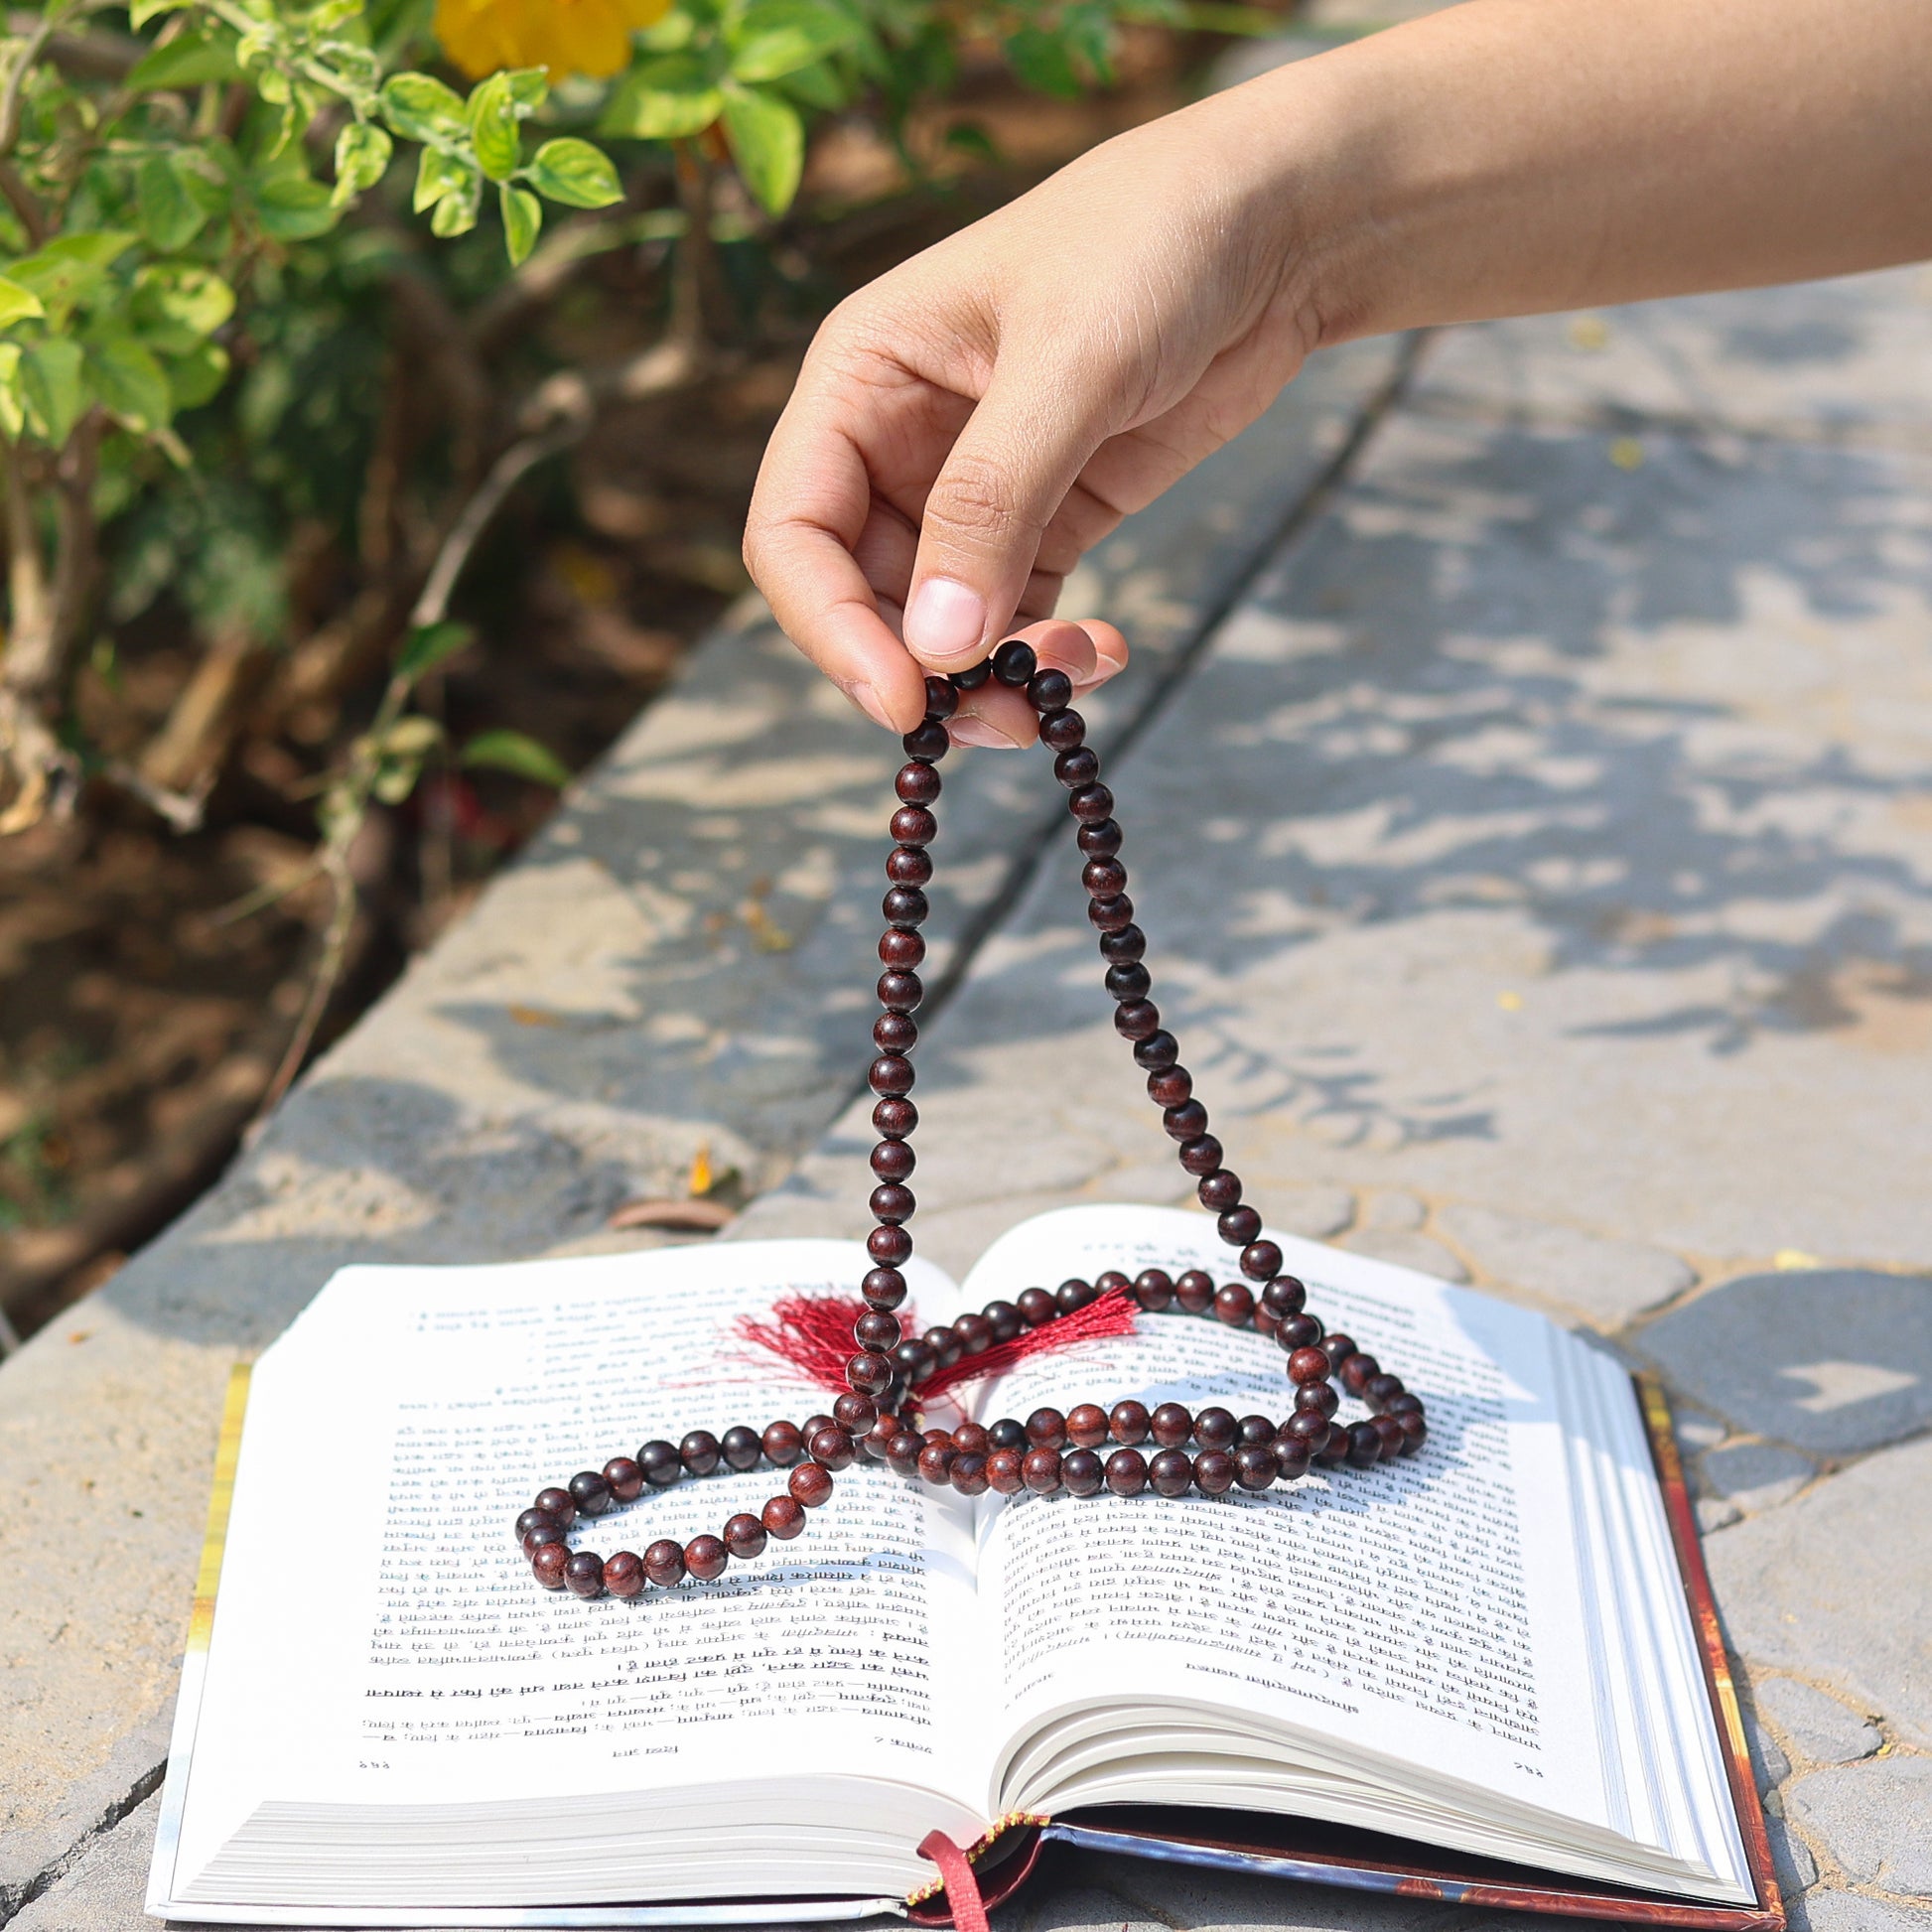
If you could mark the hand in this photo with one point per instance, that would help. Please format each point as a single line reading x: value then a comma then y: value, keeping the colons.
x: 969, y: 425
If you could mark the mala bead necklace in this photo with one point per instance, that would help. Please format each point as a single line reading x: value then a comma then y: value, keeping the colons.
x: 1167, y: 1450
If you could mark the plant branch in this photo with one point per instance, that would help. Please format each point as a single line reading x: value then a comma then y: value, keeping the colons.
x: 329, y: 970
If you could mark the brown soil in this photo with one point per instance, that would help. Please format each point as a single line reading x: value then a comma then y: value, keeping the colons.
x: 141, y: 1024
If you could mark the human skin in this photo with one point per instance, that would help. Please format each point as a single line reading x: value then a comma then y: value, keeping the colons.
x: 965, y: 427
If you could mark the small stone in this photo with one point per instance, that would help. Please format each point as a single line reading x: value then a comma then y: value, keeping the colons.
x: 1717, y: 1513
x: 1608, y: 1282
x: 1875, y: 1819
x: 1407, y: 1250
x: 1313, y: 1213
x: 1818, y: 1726
x: 1769, y: 1766
x: 1791, y: 1860
x: 1755, y: 1475
x: 1853, y: 1911
x: 1394, y: 1210
x: 1696, y: 1429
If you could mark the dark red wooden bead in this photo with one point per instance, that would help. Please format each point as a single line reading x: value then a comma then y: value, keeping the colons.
x: 1154, y: 1289
x: 548, y: 1564
x: 944, y: 1343
x: 1126, y: 1472
x: 584, y: 1574
x: 699, y: 1451
x: 935, y: 1463
x: 974, y: 675
x: 1309, y: 1428
x: 1334, y: 1452
x: 941, y: 698
x: 783, y: 1517
x: 1118, y: 948
x: 1091, y: 804
x: 1073, y: 1293
x: 869, y: 1373
x: 1234, y: 1305
x: 1137, y: 1019
x: 1290, y: 1457
x: 1390, y: 1432
x: 1086, y: 1425
x: 1169, y: 1425
x: 1406, y: 1404
x: 913, y: 825
x: 1285, y: 1294
x: 1036, y: 1307
x: 1378, y: 1391
x: 1083, y: 1472
x: 664, y: 1563
x: 916, y: 783
x: 891, y: 1073
x: 538, y: 1524
x: 1337, y: 1348
x: 1238, y: 1227
x: 969, y: 1472
x: 810, y: 1485
x: 1195, y: 1291
x: 623, y: 1574
x: 1356, y: 1372
x: 1100, y: 840
x: 1158, y: 1050
x: 904, y: 906
x: 1014, y: 663
x: 1254, y: 1429
x: 1415, y: 1432
x: 899, y: 992
x: 623, y: 1480
x: 975, y: 1334
x: 784, y: 1444
x: 704, y: 1557
x: 1214, y: 1472
x: 740, y: 1448
x: 1321, y: 1397
x: 1050, y: 690
x: 1214, y: 1428
x: 909, y: 865
x: 1260, y: 1260
x: 1266, y: 1320
x: 744, y: 1536
x: 561, y: 1504
x: 1102, y: 877
x: 1039, y: 1471
x: 882, y: 1288
x: 903, y: 1451
x: 1186, y: 1122
x: 1364, y: 1445
x: 900, y: 949
x: 813, y: 1424
x: 1171, y: 1472
x: 855, y: 1413
x: 1076, y: 768
x: 972, y: 1437
x: 875, y: 1333
x: 1007, y: 1320
x: 1298, y: 1331
x: 884, y: 1427
x: 1220, y: 1191
x: 927, y: 742
x: 1255, y: 1466
x: 890, y: 1247
x: 1110, y: 913
x: 892, y: 1203
x: 1173, y: 1087
x: 1128, y: 1423
x: 1047, y: 1428
x: 1003, y: 1472
x: 1201, y: 1156
x: 894, y: 1161
x: 1111, y: 1282
x: 894, y: 1032
x: 1128, y: 981
x: 894, y: 1116
x: 1308, y: 1364
x: 1062, y: 731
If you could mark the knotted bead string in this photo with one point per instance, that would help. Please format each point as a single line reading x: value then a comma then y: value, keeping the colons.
x: 878, y: 1418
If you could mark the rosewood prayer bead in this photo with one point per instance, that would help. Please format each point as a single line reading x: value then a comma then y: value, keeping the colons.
x: 1086, y: 1425
x: 899, y: 992
x: 913, y: 825
x: 1310, y: 1427
x: 623, y: 1574
x: 1129, y: 943
x: 916, y: 783
x: 1307, y: 1364
x: 915, y: 1359
x: 1214, y: 1428
x: 1136, y: 1019
x: 969, y: 1472
x: 704, y: 1557
x: 1380, y: 1390
x: 627, y: 1480
x: 973, y: 676
x: 1007, y: 1320
x: 928, y: 742
x: 1234, y: 1305
x: 1130, y: 982
x: 1050, y: 690
x: 1356, y: 1371
x: 1003, y: 1472
x: 1171, y: 1472
x: 1301, y: 1331
x: 1255, y: 1466
x: 1110, y: 1282
x: 1415, y: 1432
x: 895, y: 1032
x: 890, y: 1246
x: 1254, y: 1429
x: 1077, y: 769
x: 1290, y: 1457
x: 944, y: 1343
x: 1260, y: 1260
x: 1014, y: 663
x: 1007, y: 1433
x: 1214, y: 1472
x: 1101, y: 840
x: 1218, y: 1190
x: 893, y: 1204
x: 545, y: 1530
x: 971, y: 1439
x: 561, y: 1504
x: 810, y: 1485
x: 1195, y: 1291
x: 1154, y: 1290
x: 784, y: 1445
x: 1036, y: 1307
x: 548, y: 1564
x: 1319, y: 1397
x: 1169, y: 1426
x: 813, y: 1424
x: 1390, y: 1432
x: 1047, y: 1428
x: 1041, y: 1471
x: 1128, y: 1423
x: 1174, y: 1086
x: 870, y: 1374
x: 909, y: 865
x: 1186, y: 1122
x: 830, y: 1448
x: 1126, y: 1472
x: 745, y: 1537
x: 1337, y: 1348
x: 1074, y: 1294
x: 941, y: 699
x: 1203, y: 1155
x: 902, y: 1452
x: 699, y: 1452
x: 1091, y: 804
x: 1334, y: 1452
x: 1364, y: 1445
x: 1109, y: 914
x: 1286, y: 1295
x: 534, y: 1519
x: 900, y: 949
x: 1156, y: 1051
x: 935, y: 1463
x: 975, y: 1334
x: 584, y: 1574
x: 904, y: 906
x: 1239, y: 1225
x: 1083, y: 1472
x: 664, y: 1563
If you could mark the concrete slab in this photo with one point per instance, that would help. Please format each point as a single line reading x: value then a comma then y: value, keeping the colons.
x: 1817, y: 1726
x: 1874, y: 1820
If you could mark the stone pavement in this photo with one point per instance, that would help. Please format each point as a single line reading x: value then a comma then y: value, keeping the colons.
x: 1534, y: 831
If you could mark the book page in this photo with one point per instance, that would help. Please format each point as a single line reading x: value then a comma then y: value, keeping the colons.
x: 1417, y: 1623
x: 380, y: 1638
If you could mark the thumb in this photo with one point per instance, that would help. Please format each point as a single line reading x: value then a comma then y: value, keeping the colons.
x: 1006, y: 476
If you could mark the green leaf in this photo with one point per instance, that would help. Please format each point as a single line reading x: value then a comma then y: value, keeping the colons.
x: 292, y: 207
x: 17, y: 304
x: 817, y: 85
x: 198, y: 376
x: 669, y: 99
x: 767, y: 141
x: 512, y: 752
x: 439, y: 174
x: 171, y: 217
x: 1043, y: 61
x: 67, y: 273
x: 774, y: 38
x: 176, y: 306
x: 421, y: 108
x: 455, y: 213
x: 576, y: 174
x: 129, y: 382
x: 143, y: 11
x: 523, y: 221
x: 54, y: 388
x: 363, y: 152
x: 426, y: 647
x: 13, y: 414
x: 493, y: 124
x: 191, y: 59
x: 529, y: 86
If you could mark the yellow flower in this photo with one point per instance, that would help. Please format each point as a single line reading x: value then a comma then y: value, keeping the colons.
x: 566, y: 36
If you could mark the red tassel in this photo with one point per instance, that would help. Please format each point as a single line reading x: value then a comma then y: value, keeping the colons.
x: 813, y: 1332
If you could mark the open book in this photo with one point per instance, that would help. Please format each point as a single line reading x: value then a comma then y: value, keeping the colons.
x: 1485, y: 1648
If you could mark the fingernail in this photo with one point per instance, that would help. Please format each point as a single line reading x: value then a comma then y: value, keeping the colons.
x: 868, y: 700
x: 976, y: 731
x: 946, y: 619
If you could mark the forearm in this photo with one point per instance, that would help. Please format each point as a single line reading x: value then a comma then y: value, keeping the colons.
x: 1515, y: 156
